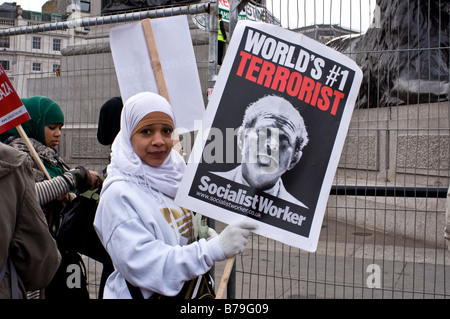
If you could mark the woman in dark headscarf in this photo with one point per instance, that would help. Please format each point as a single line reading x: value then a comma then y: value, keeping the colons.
x: 44, y: 132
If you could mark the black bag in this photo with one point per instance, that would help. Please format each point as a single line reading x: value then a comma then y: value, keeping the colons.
x: 58, y: 289
x: 76, y: 233
x: 76, y: 230
x: 200, y: 288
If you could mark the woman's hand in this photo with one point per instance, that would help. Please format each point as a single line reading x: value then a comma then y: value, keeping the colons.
x: 96, y: 180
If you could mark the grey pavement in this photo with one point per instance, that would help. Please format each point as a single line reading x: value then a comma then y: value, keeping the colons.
x: 350, y: 263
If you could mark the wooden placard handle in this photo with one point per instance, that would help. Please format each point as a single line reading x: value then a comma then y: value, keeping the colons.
x: 225, y: 277
x: 157, y: 69
x: 33, y: 152
x: 154, y: 56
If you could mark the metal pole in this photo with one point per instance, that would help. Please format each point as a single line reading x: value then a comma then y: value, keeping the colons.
x: 125, y: 17
x: 213, y: 28
x: 236, y: 6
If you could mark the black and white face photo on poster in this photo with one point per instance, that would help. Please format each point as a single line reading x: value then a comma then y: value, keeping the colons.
x: 271, y: 141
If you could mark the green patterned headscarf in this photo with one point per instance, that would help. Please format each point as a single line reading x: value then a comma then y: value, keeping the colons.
x: 43, y: 111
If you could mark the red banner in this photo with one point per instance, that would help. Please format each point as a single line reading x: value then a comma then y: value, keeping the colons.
x: 12, y: 110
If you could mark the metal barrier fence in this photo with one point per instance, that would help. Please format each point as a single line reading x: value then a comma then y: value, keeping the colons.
x: 372, y: 244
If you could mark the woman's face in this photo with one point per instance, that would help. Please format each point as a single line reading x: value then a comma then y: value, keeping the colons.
x: 52, y: 134
x: 153, y: 143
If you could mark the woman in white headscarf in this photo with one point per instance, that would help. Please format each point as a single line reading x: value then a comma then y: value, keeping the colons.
x: 149, y: 238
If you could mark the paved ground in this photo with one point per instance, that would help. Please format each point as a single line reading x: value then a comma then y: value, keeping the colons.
x: 349, y: 263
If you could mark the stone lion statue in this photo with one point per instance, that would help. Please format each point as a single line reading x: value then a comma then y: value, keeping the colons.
x: 404, y: 54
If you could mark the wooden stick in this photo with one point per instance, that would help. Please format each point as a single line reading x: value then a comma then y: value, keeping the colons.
x: 33, y: 152
x: 225, y: 277
x: 41, y: 166
x: 154, y: 56
x: 159, y: 75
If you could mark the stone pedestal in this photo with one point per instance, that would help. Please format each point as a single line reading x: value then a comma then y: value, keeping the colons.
x: 402, y: 146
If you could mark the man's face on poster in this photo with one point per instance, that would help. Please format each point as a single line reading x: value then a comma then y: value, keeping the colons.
x: 268, y: 150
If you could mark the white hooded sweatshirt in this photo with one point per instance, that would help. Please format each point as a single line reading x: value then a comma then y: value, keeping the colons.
x: 149, y: 238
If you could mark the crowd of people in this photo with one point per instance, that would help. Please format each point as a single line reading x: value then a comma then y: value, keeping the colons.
x: 151, y: 242
x: 152, y: 245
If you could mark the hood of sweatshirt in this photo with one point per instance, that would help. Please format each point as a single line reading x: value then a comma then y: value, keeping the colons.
x: 10, y: 159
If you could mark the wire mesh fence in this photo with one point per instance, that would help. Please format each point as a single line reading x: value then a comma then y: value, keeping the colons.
x: 372, y: 245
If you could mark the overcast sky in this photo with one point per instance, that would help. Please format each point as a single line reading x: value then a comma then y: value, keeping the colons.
x: 354, y: 14
x: 32, y: 5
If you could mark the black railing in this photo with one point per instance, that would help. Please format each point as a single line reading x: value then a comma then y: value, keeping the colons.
x: 389, y: 191
x: 353, y: 190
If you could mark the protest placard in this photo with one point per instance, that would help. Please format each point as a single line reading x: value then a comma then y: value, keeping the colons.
x: 12, y: 110
x: 13, y: 113
x: 272, y: 134
x: 135, y: 72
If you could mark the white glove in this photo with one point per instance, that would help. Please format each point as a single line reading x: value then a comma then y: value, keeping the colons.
x: 234, y: 237
x: 211, y: 234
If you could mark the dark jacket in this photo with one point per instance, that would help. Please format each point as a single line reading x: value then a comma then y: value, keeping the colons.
x: 24, y: 234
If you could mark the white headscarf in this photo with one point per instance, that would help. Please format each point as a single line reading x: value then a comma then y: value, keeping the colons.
x: 126, y: 163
